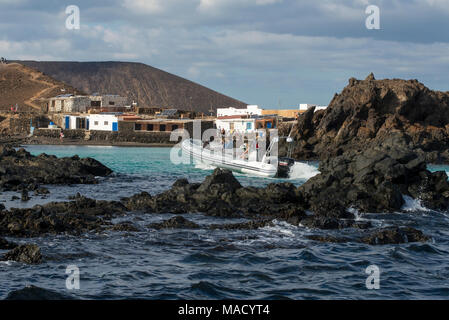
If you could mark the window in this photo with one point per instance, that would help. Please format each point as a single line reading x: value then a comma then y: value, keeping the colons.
x: 96, y: 123
x: 111, y: 103
x: 249, y: 126
x: 174, y: 127
x: 95, y: 103
x: 150, y: 127
x: 106, y: 123
x: 162, y: 127
x: 137, y: 126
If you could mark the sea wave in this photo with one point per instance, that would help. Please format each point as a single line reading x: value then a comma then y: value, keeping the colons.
x: 304, y: 171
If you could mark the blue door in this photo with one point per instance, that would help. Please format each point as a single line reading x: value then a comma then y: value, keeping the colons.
x: 115, y: 126
x: 67, y: 122
x: 87, y: 124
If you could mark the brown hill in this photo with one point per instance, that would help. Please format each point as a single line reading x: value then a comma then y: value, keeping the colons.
x: 370, y: 111
x: 26, y: 87
x: 148, y: 86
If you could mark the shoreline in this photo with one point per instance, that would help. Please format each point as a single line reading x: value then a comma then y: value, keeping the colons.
x: 34, y: 141
x: 99, y: 144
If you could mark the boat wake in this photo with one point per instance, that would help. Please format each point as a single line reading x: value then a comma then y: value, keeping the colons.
x: 302, y: 171
x: 203, y: 166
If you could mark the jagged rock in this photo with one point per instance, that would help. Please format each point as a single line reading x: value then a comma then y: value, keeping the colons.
x: 125, y: 226
x: 390, y: 235
x: 177, y: 222
x: 250, y: 225
x: 369, y: 110
x: 81, y: 215
x: 6, y: 245
x: 41, y: 191
x: 20, y: 170
x: 374, y: 180
x: 26, y: 253
x: 36, y: 293
x: 222, y: 178
x: 139, y: 202
x: 25, y: 196
x: 395, y: 235
x: 221, y: 195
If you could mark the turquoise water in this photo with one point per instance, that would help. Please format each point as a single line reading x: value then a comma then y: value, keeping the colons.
x: 277, y: 262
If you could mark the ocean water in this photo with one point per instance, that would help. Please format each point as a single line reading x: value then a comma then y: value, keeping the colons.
x: 276, y: 262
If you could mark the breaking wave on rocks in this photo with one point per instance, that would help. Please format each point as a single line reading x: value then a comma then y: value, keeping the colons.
x: 303, y: 171
x: 413, y: 205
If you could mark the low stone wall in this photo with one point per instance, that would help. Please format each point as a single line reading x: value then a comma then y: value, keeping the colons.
x: 106, y: 136
x: 21, y: 124
x: 54, y: 133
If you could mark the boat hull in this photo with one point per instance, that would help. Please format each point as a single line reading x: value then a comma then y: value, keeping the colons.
x: 226, y: 161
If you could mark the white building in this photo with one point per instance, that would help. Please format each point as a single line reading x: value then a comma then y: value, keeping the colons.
x: 76, y: 122
x: 305, y: 106
x: 250, y: 110
x: 103, y: 122
x: 242, y: 124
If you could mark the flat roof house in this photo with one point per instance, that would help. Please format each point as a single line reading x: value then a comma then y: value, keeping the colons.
x: 108, y: 103
x: 103, y: 122
x: 242, y: 124
x: 68, y: 103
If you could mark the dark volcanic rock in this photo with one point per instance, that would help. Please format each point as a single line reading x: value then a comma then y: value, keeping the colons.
x: 74, y: 217
x: 139, y: 202
x: 374, y: 180
x: 177, y: 222
x: 221, y: 195
x: 390, y: 235
x: 395, y: 235
x: 26, y: 253
x: 5, y: 245
x: 250, y: 225
x: 19, y: 170
x: 369, y: 110
x: 25, y: 196
x: 125, y: 226
x: 36, y: 293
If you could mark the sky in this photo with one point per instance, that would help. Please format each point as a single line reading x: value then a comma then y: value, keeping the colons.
x: 274, y: 53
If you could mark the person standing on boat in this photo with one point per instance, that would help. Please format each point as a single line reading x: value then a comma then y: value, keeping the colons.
x: 223, y: 137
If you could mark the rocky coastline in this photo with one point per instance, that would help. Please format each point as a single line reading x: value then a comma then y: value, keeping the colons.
x: 365, y: 166
x: 369, y: 111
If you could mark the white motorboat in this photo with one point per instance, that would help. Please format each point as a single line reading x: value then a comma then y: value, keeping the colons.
x: 214, y: 154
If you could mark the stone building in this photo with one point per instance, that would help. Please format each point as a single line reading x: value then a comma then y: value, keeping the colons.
x: 68, y: 103
x: 108, y: 103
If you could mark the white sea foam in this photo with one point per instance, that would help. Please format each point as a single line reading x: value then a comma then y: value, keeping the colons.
x: 413, y: 204
x: 302, y: 170
x: 281, y: 227
x: 356, y: 213
x: 203, y: 166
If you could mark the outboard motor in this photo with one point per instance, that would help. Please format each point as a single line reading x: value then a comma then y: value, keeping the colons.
x: 284, y: 166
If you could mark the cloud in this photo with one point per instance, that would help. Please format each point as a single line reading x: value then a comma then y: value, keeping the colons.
x: 258, y: 51
x: 144, y: 6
